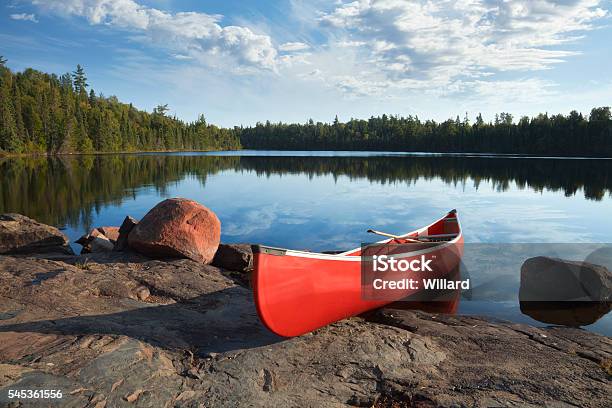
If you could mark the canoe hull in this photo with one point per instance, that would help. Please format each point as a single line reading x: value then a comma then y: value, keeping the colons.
x: 296, y: 292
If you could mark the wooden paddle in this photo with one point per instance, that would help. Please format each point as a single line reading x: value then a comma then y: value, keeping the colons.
x: 384, y: 234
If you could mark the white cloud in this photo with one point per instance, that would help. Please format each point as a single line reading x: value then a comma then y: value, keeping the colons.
x: 423, y: 43
x: 429, y: 57
x: 293, y: 46
x: 197, y: 35
x: 24, y: 17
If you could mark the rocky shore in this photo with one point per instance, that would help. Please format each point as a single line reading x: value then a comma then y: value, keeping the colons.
x: 121, y: 329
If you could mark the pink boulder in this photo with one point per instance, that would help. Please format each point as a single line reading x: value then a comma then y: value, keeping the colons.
x: 177, y: 227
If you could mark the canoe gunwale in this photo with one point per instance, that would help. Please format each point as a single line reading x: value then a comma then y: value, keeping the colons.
x: 344, y: 256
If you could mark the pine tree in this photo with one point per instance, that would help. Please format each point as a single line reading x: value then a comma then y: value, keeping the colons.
x: 161, y: 109
x: 80, y: 80
x: 479, y: 120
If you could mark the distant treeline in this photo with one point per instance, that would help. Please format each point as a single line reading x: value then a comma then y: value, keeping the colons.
x: 46, y: 113
x: 555, y: 135
x: 42, y: 113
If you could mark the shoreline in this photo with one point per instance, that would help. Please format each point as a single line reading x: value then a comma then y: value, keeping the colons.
x: 4, y: 154
x: 346, y: 153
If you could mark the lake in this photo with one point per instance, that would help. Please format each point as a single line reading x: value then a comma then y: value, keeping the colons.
x: 327, y: 201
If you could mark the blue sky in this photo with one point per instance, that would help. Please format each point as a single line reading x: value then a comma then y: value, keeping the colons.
x: 239, y: 62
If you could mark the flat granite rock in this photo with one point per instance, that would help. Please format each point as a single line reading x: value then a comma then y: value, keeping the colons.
x: 196, y: 341
x: 22, y: 235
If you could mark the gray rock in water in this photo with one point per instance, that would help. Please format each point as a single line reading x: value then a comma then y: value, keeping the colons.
x: 22, y: 235
x: 554, y: 279
x: 567, y: 293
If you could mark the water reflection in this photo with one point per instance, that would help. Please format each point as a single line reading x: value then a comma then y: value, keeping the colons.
x: 574, y: 314
x: 435, y: 300
x: 66, y: 190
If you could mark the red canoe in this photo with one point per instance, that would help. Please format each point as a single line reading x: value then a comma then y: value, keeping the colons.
x: 297, y: 292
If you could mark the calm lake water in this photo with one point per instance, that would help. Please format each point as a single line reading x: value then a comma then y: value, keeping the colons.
x: 327, y: 200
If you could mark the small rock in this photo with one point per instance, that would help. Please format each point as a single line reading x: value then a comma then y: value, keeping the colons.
x: 95, y: 241
x: 234, y: 257
x: 142, y: 292
x: 100, y: 244
x: 177, y: 227
x: 124, y: 231
x: 112, y: 233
